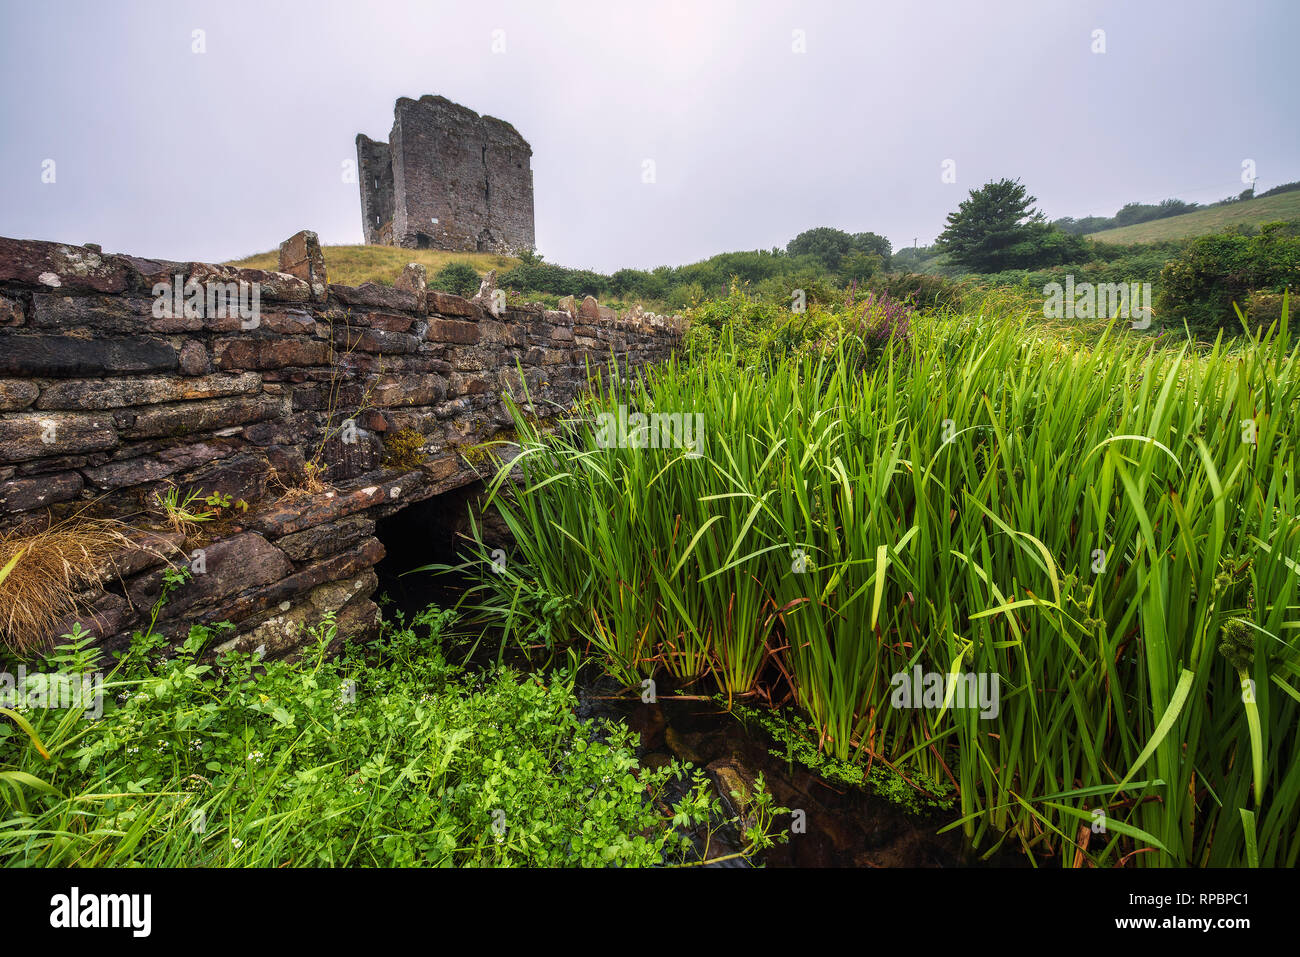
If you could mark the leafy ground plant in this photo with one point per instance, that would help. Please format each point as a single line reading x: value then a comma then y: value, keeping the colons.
x: 393, y: 757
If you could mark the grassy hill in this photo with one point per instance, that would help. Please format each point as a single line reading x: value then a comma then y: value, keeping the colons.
x: 1284, y: 206
x: 353, y: 265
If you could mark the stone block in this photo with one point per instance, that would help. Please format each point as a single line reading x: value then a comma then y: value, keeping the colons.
x: 34, y: 435
x: 142, y: 390
x: 17, y: 394
x: 301, y: 257
x: 59, y: 266
x: 61, y: 356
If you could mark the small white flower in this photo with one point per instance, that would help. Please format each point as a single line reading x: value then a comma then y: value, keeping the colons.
x: 236, y: 843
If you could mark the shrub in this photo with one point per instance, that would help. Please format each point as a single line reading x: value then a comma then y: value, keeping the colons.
x: 1264, y: 308
x: 459, y: 278
x: 919, y: 290
x: 685, y: 297
x: 535, y: 274
x: 736, y: 317
x: 1284, y: 188
x: 831, y: 247
x: 1215, y: 272
x: 880, y: 321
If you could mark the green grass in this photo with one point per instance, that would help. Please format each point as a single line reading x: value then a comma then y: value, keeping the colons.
x: 1085, y: 521
x: 354, y: 265
x: 1282, y: 207
x: 391, y: 757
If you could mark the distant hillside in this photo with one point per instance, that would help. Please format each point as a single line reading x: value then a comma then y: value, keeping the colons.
x: 1284, y: 206
x: 353, y: 265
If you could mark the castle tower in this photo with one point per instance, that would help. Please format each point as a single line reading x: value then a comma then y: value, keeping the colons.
x: 447, y: 179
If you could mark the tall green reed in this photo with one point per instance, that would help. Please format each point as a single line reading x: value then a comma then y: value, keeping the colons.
x: 1110, y: 527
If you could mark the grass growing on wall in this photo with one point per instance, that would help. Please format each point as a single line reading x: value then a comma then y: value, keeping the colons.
x: 1112, y: 531
x: 43, y: 571
x: 354, y: 265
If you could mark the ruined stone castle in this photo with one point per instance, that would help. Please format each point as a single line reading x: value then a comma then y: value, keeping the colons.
x: 447, y: 179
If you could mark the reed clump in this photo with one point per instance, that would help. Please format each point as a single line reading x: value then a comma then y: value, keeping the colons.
x: 1104, y: 539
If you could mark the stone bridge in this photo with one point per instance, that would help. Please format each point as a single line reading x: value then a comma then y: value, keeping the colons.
x: 317, y: 411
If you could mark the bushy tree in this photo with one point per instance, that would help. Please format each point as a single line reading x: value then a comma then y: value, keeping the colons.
x: 626, y: 281
x: 1084, y: 225
x: 830, y: 246
x: 861, y: 266
x: 827, y: 244
x: 997, y: 228
x: 872, y: 244
x: 1045, y: 246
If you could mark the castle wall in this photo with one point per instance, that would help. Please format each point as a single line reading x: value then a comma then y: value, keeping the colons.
x: 375, y: 170
x: 103, y: 403
x: 461, y: 181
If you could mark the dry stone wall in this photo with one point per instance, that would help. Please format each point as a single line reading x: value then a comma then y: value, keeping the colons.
x: 106, y: 400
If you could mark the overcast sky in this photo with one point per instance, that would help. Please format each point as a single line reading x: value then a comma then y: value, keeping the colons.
x: 159, y: 150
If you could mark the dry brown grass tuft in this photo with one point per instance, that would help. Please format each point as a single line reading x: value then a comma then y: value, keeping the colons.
x: 307, y: 482
x: 49, y: 567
